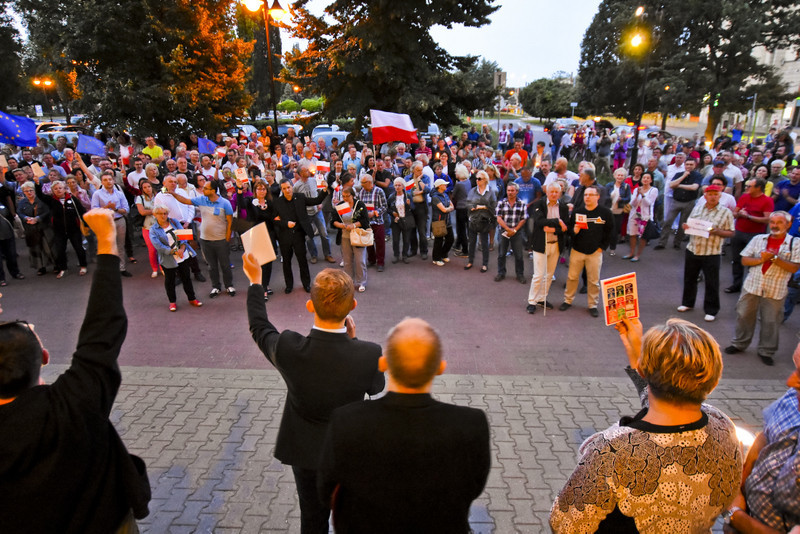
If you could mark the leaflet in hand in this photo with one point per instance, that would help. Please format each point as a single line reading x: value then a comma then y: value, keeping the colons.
x: 257, y: 241
x: 620, y: 298
x: 581, y: 222
x: 698, y: 227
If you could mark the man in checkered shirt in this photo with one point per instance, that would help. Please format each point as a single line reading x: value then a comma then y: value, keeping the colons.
x: 771, y: 499
x: 511, y: 216
x: 772, y: 259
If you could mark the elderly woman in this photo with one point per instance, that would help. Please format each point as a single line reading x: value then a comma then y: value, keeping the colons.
x: 401, y: 211
x: 674, y: 466
x: 459, y: 197
x: 65, y: 219
x: 419, y: 196
x: 619, y: 195
x: 440, y: 209
x: 172, y: 255
x: 349, y: 215
x: 481, y: 203
x: 35, y: 216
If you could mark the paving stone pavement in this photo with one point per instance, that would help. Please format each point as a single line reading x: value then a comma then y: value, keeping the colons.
x: 208, y: 435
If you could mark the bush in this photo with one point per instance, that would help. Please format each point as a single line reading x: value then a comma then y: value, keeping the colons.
x: 312, y: 104
x: 287, y: 106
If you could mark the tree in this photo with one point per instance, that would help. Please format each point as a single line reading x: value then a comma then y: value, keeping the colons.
x: 311, y: 104
x: 287, y: 106
x: 10, y: 82
x: 379, y: 54
x: 547, y: 98
x: 250, y: 27
x: 172, y: 66
x: 699, y: 48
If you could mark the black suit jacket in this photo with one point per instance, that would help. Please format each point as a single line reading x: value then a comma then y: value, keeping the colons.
x: 404, y: 463
x: 295, y: 210
x: 322, y: 371
x: 540, y: 221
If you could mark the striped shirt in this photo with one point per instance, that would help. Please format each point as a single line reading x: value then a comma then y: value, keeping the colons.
x: 772, y: 284
x: 720, y: 218
x: 512, y: 215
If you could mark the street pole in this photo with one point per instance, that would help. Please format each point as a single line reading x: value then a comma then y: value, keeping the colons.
x: 635, y: 151
x: 753, y: 129
x: 271, y: 73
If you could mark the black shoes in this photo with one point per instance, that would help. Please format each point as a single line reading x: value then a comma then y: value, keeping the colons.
x: 730, y: 349
x: 531, y: 308
x: 199, y: 277
x: 733, y: 289
x: 564, y: 306
x: 766, y: 360
x: 593, y: 312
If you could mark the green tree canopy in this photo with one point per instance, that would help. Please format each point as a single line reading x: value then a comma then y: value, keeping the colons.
x: 10, y: 81
x: 287, y: 106
x: 697, y: 47
x: 171, y: 66
x: 379, y: 54
x: 547, y: 98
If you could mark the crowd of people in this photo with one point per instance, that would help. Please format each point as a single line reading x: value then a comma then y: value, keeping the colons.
x: 470, y: 196
x: 403, y: 461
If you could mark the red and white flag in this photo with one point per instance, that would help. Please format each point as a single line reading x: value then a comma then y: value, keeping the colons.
x: 409, y: 185
x: 323, y: 167
x: 184, y: 235
x: 343, y: 209
x: 370, y: 206
x: 388, y: 127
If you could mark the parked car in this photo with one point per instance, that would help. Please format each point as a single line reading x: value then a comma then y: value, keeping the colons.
x: 324, y: 128
x: 246, y: 128
x: 341, y: 135
x: 52, y: 135
x: 42, y: 126
x: 565, y: 123
x: 644, y: 131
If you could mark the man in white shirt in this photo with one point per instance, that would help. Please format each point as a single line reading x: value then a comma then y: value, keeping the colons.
x: 672, y: 170
x: 137, y: 173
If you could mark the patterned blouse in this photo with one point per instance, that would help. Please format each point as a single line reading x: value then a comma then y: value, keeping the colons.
x: 640, y: 477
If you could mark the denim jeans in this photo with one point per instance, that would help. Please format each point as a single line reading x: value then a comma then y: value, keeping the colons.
x: 318, y: 221
x: 517, y: 243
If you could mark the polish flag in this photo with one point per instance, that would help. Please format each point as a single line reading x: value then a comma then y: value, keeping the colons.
x: 409, y: 185
x: 184, y: 235
x: 343, y: 209
x: 323, y: 167
x: 388, y: 127
x: 370, y: 206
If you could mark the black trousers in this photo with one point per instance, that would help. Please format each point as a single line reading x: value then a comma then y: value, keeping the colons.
x: 60, y: 241
x: 397, y: 233
x: 419, y: 236
x: 462, y: 229
x: 8, y: 253
x: 186, y: 279
x: 293, y: 242
x: 738, y: 242
x: 313, y: 512
x: 442, y: 245
x: 709, y: 266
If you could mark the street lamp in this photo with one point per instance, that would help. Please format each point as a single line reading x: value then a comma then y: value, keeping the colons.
x: 276, y: 12
x: 44, y: 84
x: 641, y: 43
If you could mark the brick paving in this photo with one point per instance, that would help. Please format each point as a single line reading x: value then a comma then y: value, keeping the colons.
x: 207, y: 436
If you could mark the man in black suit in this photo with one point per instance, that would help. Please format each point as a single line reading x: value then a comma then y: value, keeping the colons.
x: 405, y: 462
x: 550, y: 217
x: 294, y: 226
x: 324, y: 370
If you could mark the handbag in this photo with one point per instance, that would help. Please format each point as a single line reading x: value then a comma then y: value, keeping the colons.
x: 359, y: 237
x: 439, y: 228
x: 407, y: 223
x: 651, y: 231
x: 480, y: 221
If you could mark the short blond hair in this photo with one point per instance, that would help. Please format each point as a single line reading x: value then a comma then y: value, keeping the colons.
x: 680, y: 361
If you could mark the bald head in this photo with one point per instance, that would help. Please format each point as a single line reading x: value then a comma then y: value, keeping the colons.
x: 413, y: 355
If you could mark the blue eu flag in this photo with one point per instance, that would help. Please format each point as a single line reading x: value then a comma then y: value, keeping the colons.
x: 90, y: 145
x: 204, y: 146
x: 16, y: 130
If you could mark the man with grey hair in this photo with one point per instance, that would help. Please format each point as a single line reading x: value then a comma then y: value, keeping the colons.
x: 771, y: 260
x: 307, y: 185
x: 375, y: 200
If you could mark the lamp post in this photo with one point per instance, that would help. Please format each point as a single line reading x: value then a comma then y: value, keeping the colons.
x: 276, y: 12
x: 642, y: 41
x: 44, y: 84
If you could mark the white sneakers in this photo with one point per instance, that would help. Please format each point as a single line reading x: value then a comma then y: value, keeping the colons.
x: 683, y: 308
x: 709, y: 318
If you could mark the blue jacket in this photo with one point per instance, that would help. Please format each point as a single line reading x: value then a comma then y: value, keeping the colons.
x: 160, y: 241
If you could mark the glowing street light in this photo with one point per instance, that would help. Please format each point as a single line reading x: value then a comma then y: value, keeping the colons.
x: 637, y: 40
x: 44, y: 84
x: 277, y: 13
x: 639, y: 11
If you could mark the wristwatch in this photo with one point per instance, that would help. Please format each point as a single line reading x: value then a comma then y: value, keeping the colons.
x: 728, y: 514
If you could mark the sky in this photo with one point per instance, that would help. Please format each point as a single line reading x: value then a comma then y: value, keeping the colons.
x: 529, y: 39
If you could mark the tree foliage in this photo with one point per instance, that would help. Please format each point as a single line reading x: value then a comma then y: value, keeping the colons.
x: 311, y: 104
x: 288, y: 105
x: 171, y: 66
x: 379, y: 54
x: 696, y: 47
x: 10, y: 81
x: 250, y: 27
x: 547, y: 98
